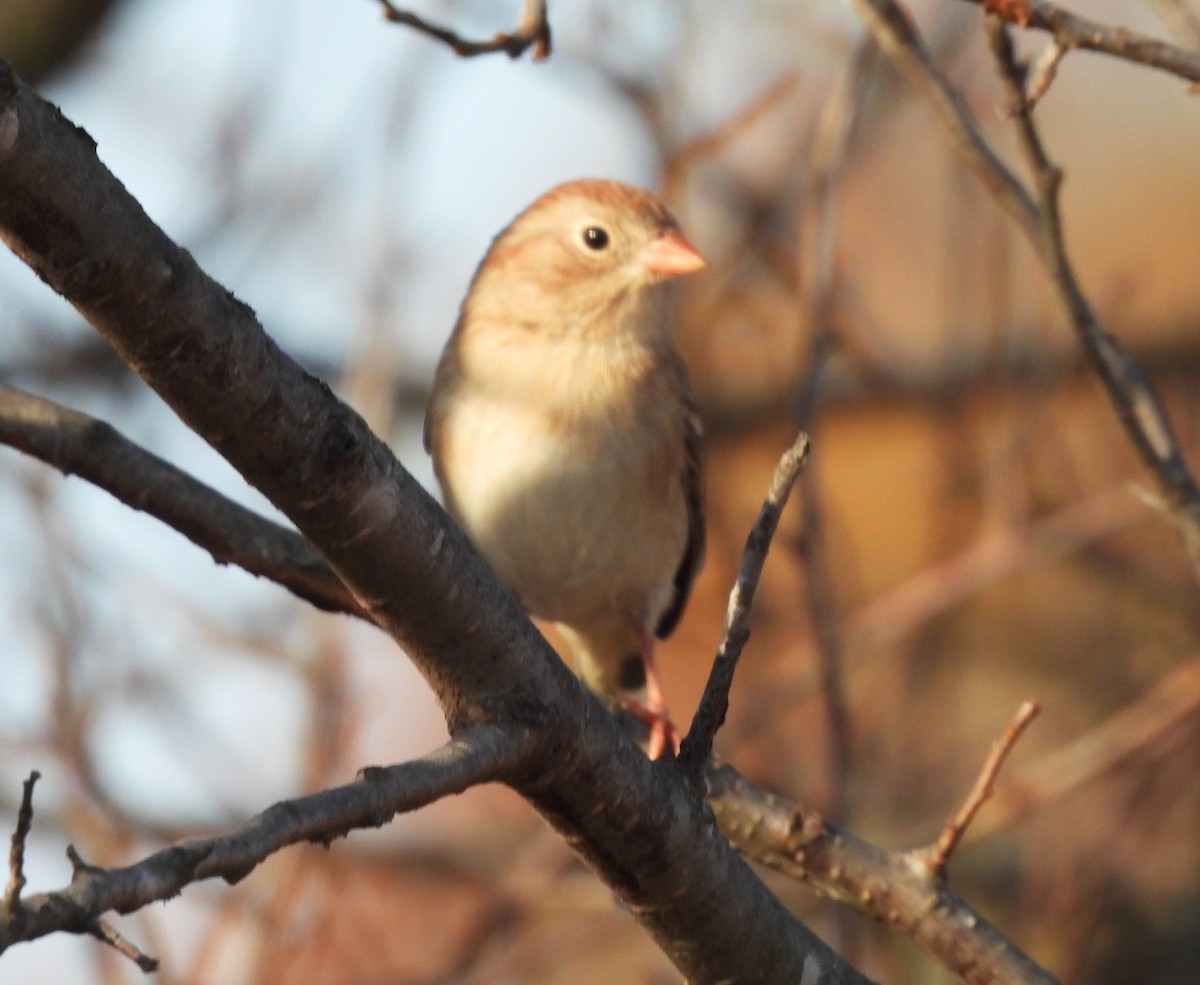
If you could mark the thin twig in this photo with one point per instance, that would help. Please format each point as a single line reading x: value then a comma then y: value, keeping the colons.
x: 997, y: 553
x: 105, y: 932
x: 897, y: 35
x: 320, y: 465
x: 715, y: 702
x: 478, y: 754
x: 939, y: 854
x: 1163, y: 710
x: 882, y: 623
x: 1043, y: 71
x: 16, y: 852
x: 532, y: 30
x: 1135, y: 401
x: 1130, y: 393
x: 1071, y: 31
x: 102, y: 930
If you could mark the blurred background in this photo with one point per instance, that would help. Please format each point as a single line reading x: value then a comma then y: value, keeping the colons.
x: 972, y: 529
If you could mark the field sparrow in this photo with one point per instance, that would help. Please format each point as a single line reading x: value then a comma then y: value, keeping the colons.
x: 563, y: 432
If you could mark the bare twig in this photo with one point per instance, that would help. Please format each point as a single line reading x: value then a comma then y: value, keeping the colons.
x: 477, y: 754
x: 16, y: 852
x: 996, y: 554
x: 1130, y: 393
x: 888, y: 619
x: 1135, y: 401
x: 714, y: 703
x: 835, y: 869
x: 897, y: 35
x: 1071, y: 31
x: 105, y: 932
x: 1043, y: 72
x: 532, y: 30
x: 77, y: 444
x: 1163, y: 709
x: 939, y: 854
x: 102, y: 930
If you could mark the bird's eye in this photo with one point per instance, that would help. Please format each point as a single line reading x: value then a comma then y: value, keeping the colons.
x: 595, y: 238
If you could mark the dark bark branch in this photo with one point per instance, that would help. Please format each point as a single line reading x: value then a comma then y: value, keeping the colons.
x: 711, y: 142
x: 896, y: 887
x: 477, y: 755
x: 16, y: 852
x: 897, y: 36
x: 734, y: 800
x: 638, y: 824
x: 106, y: 933
x: 1130, y: 393
x: 714, y: 703
x: 532, y: 30
x: 77, y: 444
x: 1070, y: 31
x: 1133, y: 398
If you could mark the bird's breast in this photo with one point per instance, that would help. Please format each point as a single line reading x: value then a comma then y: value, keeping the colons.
x: 577, y: 502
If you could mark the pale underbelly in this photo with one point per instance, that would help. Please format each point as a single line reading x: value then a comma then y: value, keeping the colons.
x: 582, y: 530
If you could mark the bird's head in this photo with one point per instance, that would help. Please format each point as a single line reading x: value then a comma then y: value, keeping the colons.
x: 588, y: 256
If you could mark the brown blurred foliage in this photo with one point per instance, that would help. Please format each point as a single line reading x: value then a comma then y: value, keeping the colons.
x: 970, y: 534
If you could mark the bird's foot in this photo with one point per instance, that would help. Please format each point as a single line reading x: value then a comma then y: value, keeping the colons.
x: 662, y: 730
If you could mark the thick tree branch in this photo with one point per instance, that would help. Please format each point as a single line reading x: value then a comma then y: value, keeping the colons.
x: 77, y: 444
x: 106, y: 933
x: 638, y: 824
x: 532, y: 30
x: 1070, y: 31
x: 896, y: 887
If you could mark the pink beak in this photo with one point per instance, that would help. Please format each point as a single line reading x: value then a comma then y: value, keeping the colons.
x: 670, y: 255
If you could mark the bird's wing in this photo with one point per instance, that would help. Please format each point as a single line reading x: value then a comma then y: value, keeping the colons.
x: 693, y: 550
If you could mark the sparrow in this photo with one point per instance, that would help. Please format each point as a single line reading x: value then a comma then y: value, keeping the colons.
x: 564, y: 434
